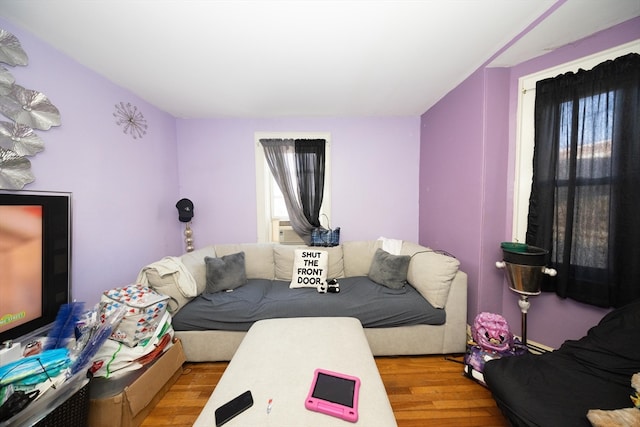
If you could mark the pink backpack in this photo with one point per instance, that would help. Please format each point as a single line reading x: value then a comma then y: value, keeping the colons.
x: 491, y: 332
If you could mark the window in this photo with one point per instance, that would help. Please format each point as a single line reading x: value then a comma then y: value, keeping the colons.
x: 525, y: 129
x: 272, y: 217
x: 592, y: 171
x: 583, y: 198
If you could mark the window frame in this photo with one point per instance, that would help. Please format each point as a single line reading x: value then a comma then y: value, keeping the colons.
x: 264, y: 178
x: 525, y: 128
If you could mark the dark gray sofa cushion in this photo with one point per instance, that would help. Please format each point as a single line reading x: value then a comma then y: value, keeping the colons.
x: 374, y: 305
x: 225, y: 273
x: 389, y: 270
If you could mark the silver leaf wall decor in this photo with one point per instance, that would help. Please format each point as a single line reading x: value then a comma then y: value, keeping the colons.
x: 6, y: 81
x: 11, y: 51
x: 28, y: 109
x: 15, y: 170
x: 20, y: 139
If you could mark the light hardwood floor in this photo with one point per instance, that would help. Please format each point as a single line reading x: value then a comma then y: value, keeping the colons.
x: 423, y: 391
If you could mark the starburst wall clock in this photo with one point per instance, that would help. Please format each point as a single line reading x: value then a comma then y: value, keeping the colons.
x: 131, y: 119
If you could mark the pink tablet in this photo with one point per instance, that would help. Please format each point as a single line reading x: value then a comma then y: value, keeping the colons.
x: 334, y: 394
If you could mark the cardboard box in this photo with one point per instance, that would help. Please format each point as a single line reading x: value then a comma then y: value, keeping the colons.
x: 131, y: 406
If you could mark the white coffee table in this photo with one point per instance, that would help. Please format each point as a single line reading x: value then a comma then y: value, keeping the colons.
x: 276, y: 360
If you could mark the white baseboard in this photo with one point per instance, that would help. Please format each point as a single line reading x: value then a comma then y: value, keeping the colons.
x: 534, y: 344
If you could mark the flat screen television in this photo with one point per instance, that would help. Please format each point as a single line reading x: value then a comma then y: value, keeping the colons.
x: 35, y: 260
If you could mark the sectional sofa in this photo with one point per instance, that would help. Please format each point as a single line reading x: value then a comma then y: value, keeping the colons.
x: 367, y: 276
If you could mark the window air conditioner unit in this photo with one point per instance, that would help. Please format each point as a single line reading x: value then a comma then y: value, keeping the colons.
x: 285, y: 234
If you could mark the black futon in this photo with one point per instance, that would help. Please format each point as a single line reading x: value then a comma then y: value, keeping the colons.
x: 558, y: 388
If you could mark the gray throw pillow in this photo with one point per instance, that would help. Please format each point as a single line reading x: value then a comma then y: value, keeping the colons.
x: 225, y: 273
x: 389, y: 270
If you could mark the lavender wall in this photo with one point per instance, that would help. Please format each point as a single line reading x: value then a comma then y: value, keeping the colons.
x: 470, y: 213
x: 462, y: 181
x: 451, y: 177
x: 123, y: 189
x: 494, y: 191
x: 374, y: 178
x: 444, y: 179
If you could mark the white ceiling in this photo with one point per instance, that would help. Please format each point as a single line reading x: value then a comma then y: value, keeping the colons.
x: 267, y: 58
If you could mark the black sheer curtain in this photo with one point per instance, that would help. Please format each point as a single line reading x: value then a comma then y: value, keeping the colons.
x: 585, y: 196
x: 310, y: 155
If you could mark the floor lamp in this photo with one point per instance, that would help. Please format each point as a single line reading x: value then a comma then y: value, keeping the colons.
x: 524, y: 266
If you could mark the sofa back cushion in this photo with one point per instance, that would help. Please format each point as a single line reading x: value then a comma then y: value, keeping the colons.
x: 258, y: 258
x: 284, y: 256
x: 358, y: 256
x: 431, y: 273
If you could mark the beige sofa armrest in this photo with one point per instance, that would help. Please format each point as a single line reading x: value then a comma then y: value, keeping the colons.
x: 455, y: 339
